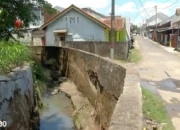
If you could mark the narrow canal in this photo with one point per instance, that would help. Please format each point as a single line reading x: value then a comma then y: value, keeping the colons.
x: 57, y: 113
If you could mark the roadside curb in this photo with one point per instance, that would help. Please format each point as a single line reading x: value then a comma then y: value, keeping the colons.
x: 127, y: 114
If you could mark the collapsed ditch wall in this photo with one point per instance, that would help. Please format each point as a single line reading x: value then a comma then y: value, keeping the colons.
x: 113, y: 91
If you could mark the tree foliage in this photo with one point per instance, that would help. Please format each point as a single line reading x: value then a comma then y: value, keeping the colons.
x: 135, y: 28
x: 11, y: 10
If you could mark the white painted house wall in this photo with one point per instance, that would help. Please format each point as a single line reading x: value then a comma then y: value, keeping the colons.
x: 151, y: 23
x: 128, y: 29
x: 39, y: 14
x: 84, y: 29
x: 27, y: 39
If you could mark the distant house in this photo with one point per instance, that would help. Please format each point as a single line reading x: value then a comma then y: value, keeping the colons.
x: 122, y: 28
x: 39, y: 13
x: 122, y: 25
x: 150, y: 24
x: 58, y: 8
x: 152, y: 20
x: 37, y: 35
x: 166, y: 29
x: 94, y: 13
x: 75, y: 24
x: 176, y: 31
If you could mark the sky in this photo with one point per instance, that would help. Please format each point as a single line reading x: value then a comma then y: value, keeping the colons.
x: 132, y: 9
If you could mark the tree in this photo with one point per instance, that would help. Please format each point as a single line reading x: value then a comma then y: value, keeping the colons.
x: 12, y: 10
x: 135, y: 28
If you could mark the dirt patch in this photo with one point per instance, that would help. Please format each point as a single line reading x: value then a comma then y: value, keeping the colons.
x: 149, y: 124
x: 84, y: 113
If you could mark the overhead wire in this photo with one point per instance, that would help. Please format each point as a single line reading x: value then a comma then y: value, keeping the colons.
x: 139, y: 13
x: 137, y: 8
x: 163, y: 2
x: 159, y: 4
x: 169, y: 5
x: 143, y: 7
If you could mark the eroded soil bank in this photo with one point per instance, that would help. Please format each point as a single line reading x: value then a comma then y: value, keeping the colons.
x: 84, y: 113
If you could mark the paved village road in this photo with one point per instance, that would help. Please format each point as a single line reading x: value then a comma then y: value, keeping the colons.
x: 160, y: 73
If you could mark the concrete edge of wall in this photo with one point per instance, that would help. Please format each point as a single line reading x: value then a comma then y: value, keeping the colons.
x: 127, y: 114
x: 17, y: 98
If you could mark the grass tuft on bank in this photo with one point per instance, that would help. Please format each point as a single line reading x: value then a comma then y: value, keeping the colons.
x: 154, y: 109
x: 135, y: 56
x: 12, y: 54
x: 15, y: 54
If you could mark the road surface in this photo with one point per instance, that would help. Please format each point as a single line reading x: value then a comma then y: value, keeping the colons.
x: 160, y: 73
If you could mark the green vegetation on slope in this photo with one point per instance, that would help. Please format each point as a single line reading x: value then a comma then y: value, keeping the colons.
x: 154, y: 109
x: 15, y: 54
x: 12, y: 54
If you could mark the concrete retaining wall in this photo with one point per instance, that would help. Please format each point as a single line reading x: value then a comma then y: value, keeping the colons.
x: 100, y: 48
x: 98, y: 79
x: 17, y: 99
x: 114, y: 91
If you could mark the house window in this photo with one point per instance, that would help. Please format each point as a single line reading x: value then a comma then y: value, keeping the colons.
x: 62, y: 38
x: 74, y: 20
x: 77, y: 19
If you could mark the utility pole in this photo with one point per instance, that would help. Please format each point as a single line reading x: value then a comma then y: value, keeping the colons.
x: 156, y: 16
x: 112, y: 29
x: 156, y: 22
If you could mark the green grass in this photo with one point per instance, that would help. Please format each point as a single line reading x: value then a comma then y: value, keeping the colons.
x: 123, y: 61
x: 15, y: 54
x: 12, y: 54
x: 135, y: 56
x: 154, y: 109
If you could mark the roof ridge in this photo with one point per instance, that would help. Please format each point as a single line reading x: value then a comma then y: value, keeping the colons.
x: 64, y: 11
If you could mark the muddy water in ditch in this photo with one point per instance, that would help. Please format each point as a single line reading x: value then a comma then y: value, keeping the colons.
x: 57, y: 113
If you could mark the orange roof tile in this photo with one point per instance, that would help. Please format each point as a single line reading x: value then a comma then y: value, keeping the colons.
x: 119, y: 22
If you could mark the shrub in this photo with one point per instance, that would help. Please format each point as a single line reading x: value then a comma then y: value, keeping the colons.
x: 12, y: 54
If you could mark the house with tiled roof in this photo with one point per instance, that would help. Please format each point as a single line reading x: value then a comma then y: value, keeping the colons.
x: 167, y: 30
x: 122, y: 28
x: 75, y: 24
x: 121, y: 25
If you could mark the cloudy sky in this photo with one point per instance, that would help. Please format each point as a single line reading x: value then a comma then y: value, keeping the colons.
x: 126, y: 8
